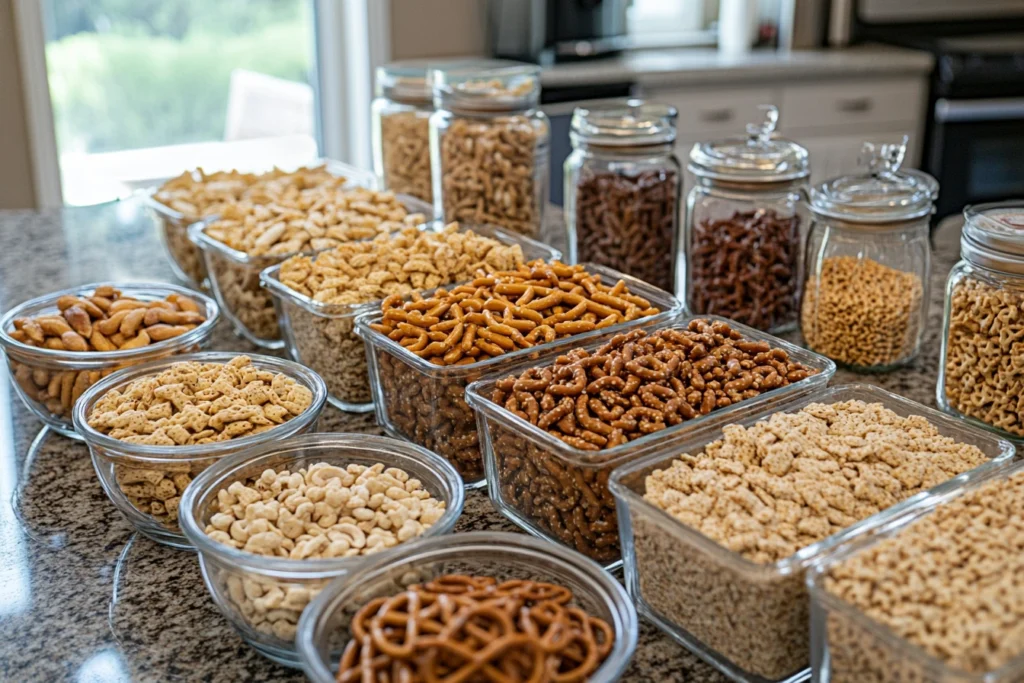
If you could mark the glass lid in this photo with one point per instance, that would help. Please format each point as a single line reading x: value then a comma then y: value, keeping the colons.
x: 993, y: 235
x: 885, y: 194
x: 404, y: 81
x: 487, y: 86
x: 632, y: 123
x: 760, y: 157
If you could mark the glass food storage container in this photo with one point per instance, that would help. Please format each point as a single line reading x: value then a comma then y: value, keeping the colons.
x: 559, y: 492
x: 322, y: 336
x: 325, y: 625
x: 489, y: 147
x: 401, y: 130
x: 145, y: 482
x: 868, y: 261
x: 745, y: 221
x: 978, y: 372
x: 263, y: 596
x: 747, y: 619
x: 425, y: 403
x: 622, y: 187
x: 848, y: 645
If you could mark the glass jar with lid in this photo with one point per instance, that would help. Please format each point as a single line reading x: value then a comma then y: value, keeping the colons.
x: 489, y: 147
x: 401, y: 130
x: 622, y: 187
x: 981, y: 371
x: 745, y: 221
x: 868, y: 260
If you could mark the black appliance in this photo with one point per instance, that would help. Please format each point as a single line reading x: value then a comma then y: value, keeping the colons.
x: 546, y: 31
x: 974, y: 140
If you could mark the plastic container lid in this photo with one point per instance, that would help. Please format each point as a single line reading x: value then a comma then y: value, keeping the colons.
x: 993, y: 236
x: 633, y: 123
x: 885, y: 194
x: 760, y: 157
x: 488, y: 85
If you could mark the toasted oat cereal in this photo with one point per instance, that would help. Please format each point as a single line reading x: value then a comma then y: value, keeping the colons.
x: 195, y: 403
x: 368, y: 271
x: 951, y: 583
x: 767, y: 490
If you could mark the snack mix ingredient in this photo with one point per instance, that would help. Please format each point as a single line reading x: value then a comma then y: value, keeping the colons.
x: 457, y: 625
x: 191, y: 403
x: 488, y: 317
x: 981, y: 376
x: 319, y: 511
x: 405, y: 151
x: 952, y: 583
x: 746, y: 267
x: 635, y: 385
x: 103, y: 321
x: 765, y: 492
x: 361, y: 272
x: 629, y: 223
x: 862, y: 313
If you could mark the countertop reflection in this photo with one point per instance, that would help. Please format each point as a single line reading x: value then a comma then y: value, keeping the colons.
x: 83, y: 598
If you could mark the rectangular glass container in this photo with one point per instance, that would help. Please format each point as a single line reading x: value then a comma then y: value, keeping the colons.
x: 322, y: 336
x: 748, y: 620
x: 525, y: 464
x: 425, y: 403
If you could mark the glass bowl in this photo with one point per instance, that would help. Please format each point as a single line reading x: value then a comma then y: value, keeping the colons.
x: 34, y: 369
x: 323, y: 629
x: 123, y: 466
x: 238, y: 579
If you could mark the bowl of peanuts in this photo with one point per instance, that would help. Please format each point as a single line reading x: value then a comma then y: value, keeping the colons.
x: 152, y: 428
x: 60, y: 344
x: 319, y: 297
x: 481, y: 600
x: 277, y: 523
x: 244, y: 238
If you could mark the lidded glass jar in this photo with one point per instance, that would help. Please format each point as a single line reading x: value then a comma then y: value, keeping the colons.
x: 744, y: 227
x: 622, y: 187
x: 981, y: 372
x: 401, y: 130
x: 489, y: 147
x: 868, y: 260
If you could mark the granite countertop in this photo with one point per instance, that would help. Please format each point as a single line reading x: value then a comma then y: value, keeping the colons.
x: 708, y: 66
x: 84, y: 598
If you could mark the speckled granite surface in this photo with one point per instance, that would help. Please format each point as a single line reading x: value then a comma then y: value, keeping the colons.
x: 81, y: 597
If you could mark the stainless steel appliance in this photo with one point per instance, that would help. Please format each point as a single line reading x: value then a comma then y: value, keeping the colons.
x: 974, y: 139
x: 545, y: 31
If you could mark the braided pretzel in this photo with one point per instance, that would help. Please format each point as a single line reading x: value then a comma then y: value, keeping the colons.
x: 460, y: 629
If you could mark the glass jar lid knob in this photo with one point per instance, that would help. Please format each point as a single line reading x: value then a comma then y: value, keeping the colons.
x: 883, y: 159
x: 761, y: 133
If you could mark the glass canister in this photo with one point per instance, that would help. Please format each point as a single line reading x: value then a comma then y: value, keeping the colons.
x: 622, y: 187
x: 868, y: 260
x: 981, y: 372
x: 401, y: 130
x: 745, y: 221
x: 489, y: 147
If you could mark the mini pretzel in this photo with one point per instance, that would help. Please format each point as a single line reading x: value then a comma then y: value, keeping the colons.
x: 460, y: 628
x: 508, y: 310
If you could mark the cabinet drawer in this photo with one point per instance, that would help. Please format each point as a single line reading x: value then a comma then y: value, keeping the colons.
x: 851, y: 103
x: 704, y: 114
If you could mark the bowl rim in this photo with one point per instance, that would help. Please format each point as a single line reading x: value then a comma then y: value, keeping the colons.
x: 149, y: 453
x: 216, y: 474
x: 197, y: 335
x: 624, y: 616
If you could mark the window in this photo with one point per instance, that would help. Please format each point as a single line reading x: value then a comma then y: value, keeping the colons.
x: 143, y: 89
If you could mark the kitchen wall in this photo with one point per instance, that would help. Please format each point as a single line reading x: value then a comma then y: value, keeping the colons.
x: 16, y: 186
x: 438, y: 28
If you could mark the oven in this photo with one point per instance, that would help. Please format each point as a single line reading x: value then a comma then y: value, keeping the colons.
x: 975, y: 149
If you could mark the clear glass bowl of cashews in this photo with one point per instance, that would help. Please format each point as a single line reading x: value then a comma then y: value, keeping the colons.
x: 277, y: 523
x: 60, y: 344
x: 151, y: 429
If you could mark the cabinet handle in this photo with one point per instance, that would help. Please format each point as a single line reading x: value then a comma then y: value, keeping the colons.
x: 855, y: 105
x: 717, y: 115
